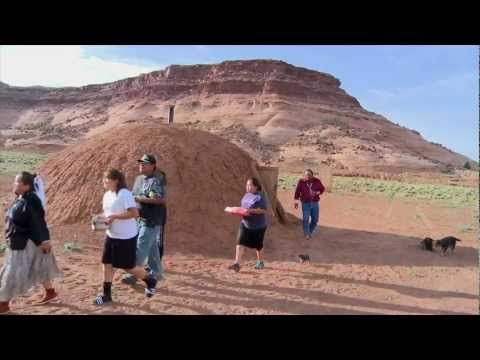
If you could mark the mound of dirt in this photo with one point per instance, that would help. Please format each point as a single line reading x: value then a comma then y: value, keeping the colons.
x: 204, y: 175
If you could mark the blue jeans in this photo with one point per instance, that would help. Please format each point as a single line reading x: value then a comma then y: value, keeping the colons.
x: 311, y: 211
x: 160, y: 240
x: 148, y: 250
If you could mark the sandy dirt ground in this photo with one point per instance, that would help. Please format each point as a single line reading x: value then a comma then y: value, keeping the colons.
x: 365, y: 260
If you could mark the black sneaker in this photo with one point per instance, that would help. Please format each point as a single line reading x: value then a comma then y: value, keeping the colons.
x: 102, y: 300
x: 151, y: 283
x: 149, y: 292
x: 235, y: 267
x: 303, y: 258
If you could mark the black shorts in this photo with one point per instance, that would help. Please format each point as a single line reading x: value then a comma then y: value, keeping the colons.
x: 120, y: 253
x: 251, y: 238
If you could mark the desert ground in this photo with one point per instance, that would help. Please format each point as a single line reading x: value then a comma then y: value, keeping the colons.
x: 388, y: 188
x: 365, y: 260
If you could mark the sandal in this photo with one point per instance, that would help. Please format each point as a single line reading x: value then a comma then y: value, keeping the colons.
x: 259, y: 265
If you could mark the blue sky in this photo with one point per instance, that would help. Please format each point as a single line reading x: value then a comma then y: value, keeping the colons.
x: 432, y: 89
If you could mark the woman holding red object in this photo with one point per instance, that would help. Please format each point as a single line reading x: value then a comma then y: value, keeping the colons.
x: 253, y: 225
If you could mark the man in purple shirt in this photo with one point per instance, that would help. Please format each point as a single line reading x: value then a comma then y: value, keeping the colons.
x: 308, y: 191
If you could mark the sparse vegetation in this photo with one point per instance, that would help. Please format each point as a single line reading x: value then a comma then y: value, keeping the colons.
x: 287, y: 181
x: 12, y: 162
x: 3, y: 248
x: 71, y: 246
x: 467, y: 166
x: 370, y: 175
x: 41, y: 125
x: 465, y: 228
x: 452, y: 196
x: 449, y: 169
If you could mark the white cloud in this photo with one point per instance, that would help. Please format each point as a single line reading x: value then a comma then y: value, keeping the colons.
x: 57, y: 66
x: 456, y: 84
x: 200, y: 47
x: 382, y: 94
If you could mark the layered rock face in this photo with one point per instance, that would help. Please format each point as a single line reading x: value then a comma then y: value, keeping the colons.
x: 279, y: 113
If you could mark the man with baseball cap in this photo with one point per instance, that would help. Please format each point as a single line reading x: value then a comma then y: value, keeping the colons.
x: 149, y: 192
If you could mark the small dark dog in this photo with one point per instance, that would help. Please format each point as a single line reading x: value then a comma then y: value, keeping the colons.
x: 427, y: 244
x: 446, y: 243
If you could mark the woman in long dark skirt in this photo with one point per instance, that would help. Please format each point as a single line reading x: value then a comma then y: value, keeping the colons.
x: 29, y: 258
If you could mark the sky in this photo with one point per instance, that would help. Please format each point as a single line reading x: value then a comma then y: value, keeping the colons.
x: 431, y: 89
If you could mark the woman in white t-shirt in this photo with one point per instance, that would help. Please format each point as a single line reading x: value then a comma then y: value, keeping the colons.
x: 120, y: 248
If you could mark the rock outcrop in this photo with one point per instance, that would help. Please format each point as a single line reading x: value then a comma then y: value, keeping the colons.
x: 269, y: 108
